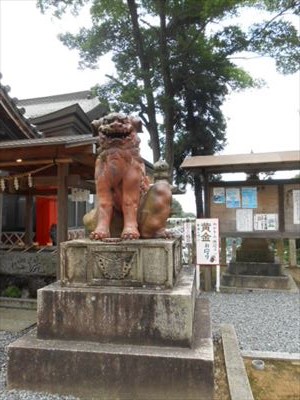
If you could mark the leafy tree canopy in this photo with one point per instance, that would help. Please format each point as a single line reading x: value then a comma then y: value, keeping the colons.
x: 176, y: 209
x: 175, y: 64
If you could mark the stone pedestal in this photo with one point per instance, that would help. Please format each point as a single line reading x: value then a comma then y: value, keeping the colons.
x: 254, y: 268
x: 155, y: 262
x: 255, y: 275
x: 126, y: 327
x: 251, y: 282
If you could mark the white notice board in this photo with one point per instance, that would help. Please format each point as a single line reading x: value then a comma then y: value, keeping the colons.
x: 296, y: 206
x: 207, y: 241
x: 244, y: 220
x: 187, y: 232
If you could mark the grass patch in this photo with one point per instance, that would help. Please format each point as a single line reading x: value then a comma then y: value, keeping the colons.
x: 280, y: 380
x: 221, y: 388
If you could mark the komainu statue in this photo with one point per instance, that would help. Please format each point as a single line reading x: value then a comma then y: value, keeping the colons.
x: 127, y: 205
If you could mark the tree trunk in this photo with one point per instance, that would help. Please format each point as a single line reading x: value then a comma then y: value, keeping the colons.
x: 198, y: 196
x: 191, y: 127
x: 155, y: 147
x: 168, y: 101
x: 146, y: 76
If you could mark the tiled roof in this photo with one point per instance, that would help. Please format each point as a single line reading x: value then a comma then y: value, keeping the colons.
x: 45, y: 105
x: 281, y: 160
x: 69, y: 141
x: 16, y: 114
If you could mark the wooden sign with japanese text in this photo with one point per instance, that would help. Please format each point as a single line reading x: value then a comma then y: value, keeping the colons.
x: 187, y: 232
x: 207, y: 241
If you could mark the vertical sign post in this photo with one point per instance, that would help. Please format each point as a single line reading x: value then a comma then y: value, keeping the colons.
x: 187, y: 238
x: 207, y: 246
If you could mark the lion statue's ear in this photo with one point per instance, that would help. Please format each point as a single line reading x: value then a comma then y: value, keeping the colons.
x: 137, y: 123
x: 95, y: 125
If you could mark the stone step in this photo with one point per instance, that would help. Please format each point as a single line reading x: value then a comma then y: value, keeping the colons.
x: 107, y: 371
x: 148, y: 316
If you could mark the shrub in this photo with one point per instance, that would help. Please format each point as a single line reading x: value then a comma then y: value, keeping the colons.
x: 12, y: 291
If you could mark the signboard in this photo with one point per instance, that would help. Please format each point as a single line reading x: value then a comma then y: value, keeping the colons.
x: 296, y: 206
x: 80, y: 194
x: 207, y: 241
x: 187, y: 232
x: 266, y: 222
x: 249, y: 197
x: 244, y: 220
x: 183, y: 227
x: 219, y: 195
x: 233, y: 199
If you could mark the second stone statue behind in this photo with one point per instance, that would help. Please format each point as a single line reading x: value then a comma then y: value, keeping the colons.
x: 128, y: 206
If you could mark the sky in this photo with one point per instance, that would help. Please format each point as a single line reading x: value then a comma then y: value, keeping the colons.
x: 34, y: 63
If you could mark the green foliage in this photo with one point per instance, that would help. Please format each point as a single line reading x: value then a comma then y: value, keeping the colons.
x: 59, y: 7
x: 176, y: 209
x: 279, y: 40
x: 188, y: 215
x: 12, y: 291
x: 175, y: 59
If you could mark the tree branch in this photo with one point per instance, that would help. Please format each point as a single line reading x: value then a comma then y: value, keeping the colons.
x: 254, y: 36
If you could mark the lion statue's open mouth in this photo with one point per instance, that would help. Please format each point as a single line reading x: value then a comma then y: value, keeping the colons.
x: 123, y: 188
x: 117, y: 126
x: 116, y: 135
x: 115, y: 130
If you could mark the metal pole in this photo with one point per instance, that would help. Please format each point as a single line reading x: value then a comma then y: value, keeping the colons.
x: 217, y: 278
x: 197, y: 278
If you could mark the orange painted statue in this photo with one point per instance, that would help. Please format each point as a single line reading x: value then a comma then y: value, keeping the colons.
x: 127, y: 205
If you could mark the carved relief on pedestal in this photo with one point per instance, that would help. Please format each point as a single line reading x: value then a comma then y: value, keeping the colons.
x: 113, y: 265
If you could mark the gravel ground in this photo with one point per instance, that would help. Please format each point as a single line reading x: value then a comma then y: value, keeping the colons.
x: 263, y: 322
x: 5, y: 339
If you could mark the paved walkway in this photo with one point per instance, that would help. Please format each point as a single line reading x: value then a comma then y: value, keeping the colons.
x: 16, y: 319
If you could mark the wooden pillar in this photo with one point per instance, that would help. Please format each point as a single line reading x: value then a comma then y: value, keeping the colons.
x: 280, y: 250
x: 223, y: 251
x: 207, y: 278
x: 62, y: 205
x: 281, y: 217
x: 206, y: 195
x: 292, y: 253
x: 1, y: 206
x: 28, y: 220
x: 2, y: 173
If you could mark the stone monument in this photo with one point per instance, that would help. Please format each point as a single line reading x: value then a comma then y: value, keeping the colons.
x: 255, y: 267
x: 124, y: 321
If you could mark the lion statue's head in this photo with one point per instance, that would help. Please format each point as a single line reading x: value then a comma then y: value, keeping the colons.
x: 117, y: 130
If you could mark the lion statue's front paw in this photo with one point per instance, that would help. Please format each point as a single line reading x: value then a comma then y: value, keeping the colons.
x: 99, y: 234
x: 130, y: 234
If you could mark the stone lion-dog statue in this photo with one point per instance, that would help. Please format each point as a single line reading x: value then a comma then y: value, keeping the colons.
x: 127, y: 207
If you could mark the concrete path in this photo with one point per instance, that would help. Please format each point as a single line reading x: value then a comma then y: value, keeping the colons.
x: 16, y: 319
x: 238, y: 382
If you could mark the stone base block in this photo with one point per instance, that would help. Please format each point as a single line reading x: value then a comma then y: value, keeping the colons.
x: 125, y: 372
x: 120, y: 314
x: 255, y: 268
x: 125, y: 263
x: 255, y: 282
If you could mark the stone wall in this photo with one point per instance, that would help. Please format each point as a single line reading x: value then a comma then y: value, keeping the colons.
x: 28, y: 271
x: 29, y: 263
